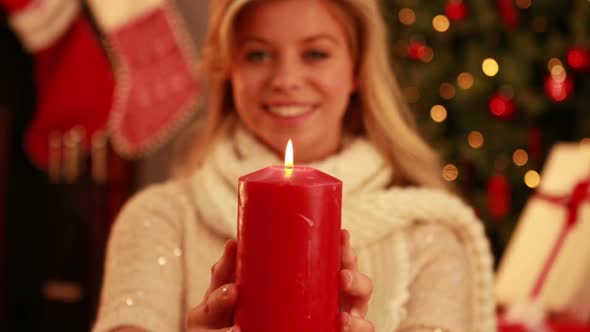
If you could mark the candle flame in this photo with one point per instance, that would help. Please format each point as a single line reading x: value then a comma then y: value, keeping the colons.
x: 289, y: 155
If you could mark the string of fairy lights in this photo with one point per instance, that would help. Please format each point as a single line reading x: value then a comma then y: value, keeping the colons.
x: 558, y: 84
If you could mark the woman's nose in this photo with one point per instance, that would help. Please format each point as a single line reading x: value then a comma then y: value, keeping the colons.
x: 287, y: 75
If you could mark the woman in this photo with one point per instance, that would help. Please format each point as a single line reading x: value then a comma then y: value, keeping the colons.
x: 316, y: 72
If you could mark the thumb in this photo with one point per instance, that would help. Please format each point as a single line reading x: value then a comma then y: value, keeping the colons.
x: 216, y: 310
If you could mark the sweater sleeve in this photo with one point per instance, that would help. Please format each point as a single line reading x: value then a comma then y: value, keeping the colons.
x: 440, y: 278
x: 143, y: 283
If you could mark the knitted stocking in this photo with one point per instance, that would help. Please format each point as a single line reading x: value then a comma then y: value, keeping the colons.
x: 156, y: 88
x: 74, y: 81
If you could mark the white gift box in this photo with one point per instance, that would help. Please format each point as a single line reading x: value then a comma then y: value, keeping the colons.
x: 548, y: 257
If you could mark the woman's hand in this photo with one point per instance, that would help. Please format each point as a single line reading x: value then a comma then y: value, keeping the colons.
x: 356, y: 291
x: 216, y: 311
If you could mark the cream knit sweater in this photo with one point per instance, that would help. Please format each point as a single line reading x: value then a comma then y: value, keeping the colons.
x: 424, y: 249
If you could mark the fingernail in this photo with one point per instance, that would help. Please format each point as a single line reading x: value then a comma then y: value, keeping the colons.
x: 346, y: 278
x: 345, y: 237
x: 224, y: 291
x: 345, y: 319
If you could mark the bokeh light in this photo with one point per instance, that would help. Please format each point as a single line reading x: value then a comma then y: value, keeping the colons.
x: 475, y: 139
x: 407, y: 16
x: 438, y: 113
x: 428, y: 55
x: 441, y: 23
x: 490, y: 67
x: 523, y: 4
x: 532, y: 179
x: 447, y: 91
x: 465, y: 80
x: 520, y: 157
x: 450, y: 172
x: 552, y: 63
x: 558, y: 73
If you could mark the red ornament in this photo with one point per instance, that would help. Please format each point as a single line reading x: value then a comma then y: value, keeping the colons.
x: 502, y: 107
x: 417, y: 50
x: 578, y: 58
x: 288, y: 265
x: 456, y: 10
x: 558, y: 88
x: 498, y: 190
x: 509, y: 13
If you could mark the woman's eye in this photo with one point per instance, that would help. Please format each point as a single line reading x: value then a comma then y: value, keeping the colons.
x: 316, y: 55
x: 256, y: 56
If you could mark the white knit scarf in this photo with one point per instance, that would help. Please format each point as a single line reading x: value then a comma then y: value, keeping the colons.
x: 371, y: 211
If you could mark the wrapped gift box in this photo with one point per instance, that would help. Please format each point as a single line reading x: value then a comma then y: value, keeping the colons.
x: 548, y: 257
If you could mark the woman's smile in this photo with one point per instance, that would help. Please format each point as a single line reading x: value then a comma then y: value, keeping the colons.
x: 290, y: 110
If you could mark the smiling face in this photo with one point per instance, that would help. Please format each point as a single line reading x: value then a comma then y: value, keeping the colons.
x: 292, y: 76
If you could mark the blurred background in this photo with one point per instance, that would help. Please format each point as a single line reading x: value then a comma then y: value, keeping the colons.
x: 494, y: 84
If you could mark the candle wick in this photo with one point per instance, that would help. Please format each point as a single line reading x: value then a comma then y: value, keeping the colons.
x: 288, y: 170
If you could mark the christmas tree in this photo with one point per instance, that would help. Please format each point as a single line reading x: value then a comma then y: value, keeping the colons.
x: 494, y: 84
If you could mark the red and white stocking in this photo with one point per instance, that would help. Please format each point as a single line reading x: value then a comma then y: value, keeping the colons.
x: 156, y: 87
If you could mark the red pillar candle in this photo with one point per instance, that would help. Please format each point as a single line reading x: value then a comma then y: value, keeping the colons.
x: 288, y: 268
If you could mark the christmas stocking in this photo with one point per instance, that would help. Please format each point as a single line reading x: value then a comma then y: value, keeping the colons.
x: 73, y: 78
x: 156, y: 88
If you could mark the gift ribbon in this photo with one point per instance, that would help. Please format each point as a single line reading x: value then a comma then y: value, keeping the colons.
x: 572, y: 202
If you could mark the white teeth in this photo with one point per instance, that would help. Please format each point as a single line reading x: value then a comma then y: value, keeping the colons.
x: 288, y: 111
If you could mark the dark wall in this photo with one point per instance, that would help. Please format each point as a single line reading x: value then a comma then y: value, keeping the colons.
x: 53, y: 234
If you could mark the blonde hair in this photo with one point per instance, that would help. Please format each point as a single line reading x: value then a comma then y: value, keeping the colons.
x: 386, y: 118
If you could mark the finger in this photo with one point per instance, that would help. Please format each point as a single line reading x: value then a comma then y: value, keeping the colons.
x: 351, y: 323
x: 217, y: 310
x: 348, y: 259
x: 358, y: 289
x: 356, y: 284
x: 223, y: 272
